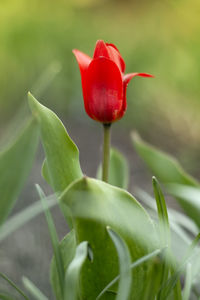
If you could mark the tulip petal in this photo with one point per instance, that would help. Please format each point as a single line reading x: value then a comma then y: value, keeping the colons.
x: 100, y: 50
x: 104, y: 90
x: 128, y: 77
x: 83, y: 60
x: 112, y: 45
x: 109, y: 51
x: 115, y: 55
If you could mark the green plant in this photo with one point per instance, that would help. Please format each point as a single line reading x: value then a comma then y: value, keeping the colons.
x: 115, y: 248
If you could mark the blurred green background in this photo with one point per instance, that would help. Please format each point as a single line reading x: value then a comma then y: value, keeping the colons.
x: 159, y: 37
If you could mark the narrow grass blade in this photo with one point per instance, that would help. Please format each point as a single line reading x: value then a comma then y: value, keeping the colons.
x: 174, y: 215
x: 33, y: 290
x: 67, y: 248
x: 73, y: 272
x: 162, y: 214
x: 164, y: 229
x: 168, y: 287
x: 54, y: 239
x: 11, y: 283
x: 125, y: 279
x: 25, y: 216
x: 6, y: 296
x: 132, y: 266
x: 178, y: 221
x: 188, y: 283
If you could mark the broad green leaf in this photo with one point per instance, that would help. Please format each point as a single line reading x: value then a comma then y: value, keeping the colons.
x: 67, y: 248
x: 73, y: 272
x: 167, y: 170
x: 24, y: 216
x: 15, y: 163
x: 62, y: 155
x: 94, y: 205
x: 54, y: 240
x: 33, y: 290
x: 124, y: 288
x: 118, y: 170
x: 137, y: 263
x: 13, y: 285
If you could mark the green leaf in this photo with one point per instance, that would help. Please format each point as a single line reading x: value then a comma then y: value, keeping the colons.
x: 153, y: 278
x: 24, y: 216
x: 33, y: 290
x: 189, y: 197
x: 132, y: 266
x: 188, y: 283
x: 175, y: 217
x: 167, y: 170
x: 118, y: 170
x: 15, y: 164
x: 12, y: 284
x: 162, y: 214
x: 6, y: 296
x: 94, y: 205
x: 54, y: 240
x: 67, y: 248
x: 61, y: 153
x: 164, y: 230
x: 125, y: 279
x: 168, y: 287
x: 73, y: 272
x: 182, y: 227
x: 45, y: 172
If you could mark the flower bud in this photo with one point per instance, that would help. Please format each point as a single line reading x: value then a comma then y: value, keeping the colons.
x: 104, y: 82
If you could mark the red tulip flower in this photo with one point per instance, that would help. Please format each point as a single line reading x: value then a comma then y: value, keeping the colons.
x: 104, y: 82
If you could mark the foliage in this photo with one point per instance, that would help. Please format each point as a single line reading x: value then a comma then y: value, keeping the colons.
x: 116, y: 248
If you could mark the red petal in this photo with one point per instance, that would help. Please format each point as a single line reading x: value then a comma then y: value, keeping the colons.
x: 112, y: 45
x: 128, y: 77
x: 104, y: 90
x: 115, y: 55
x: 109, y: 51
x: 100, y: 50
x: 83, y: 60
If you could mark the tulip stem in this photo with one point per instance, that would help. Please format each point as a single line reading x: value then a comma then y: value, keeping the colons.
x: 106, y: 152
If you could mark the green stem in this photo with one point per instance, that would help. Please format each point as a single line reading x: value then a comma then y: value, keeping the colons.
x: 106, y: 152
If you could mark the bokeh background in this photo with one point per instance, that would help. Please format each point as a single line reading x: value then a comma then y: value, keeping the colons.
x: 36, y: 42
